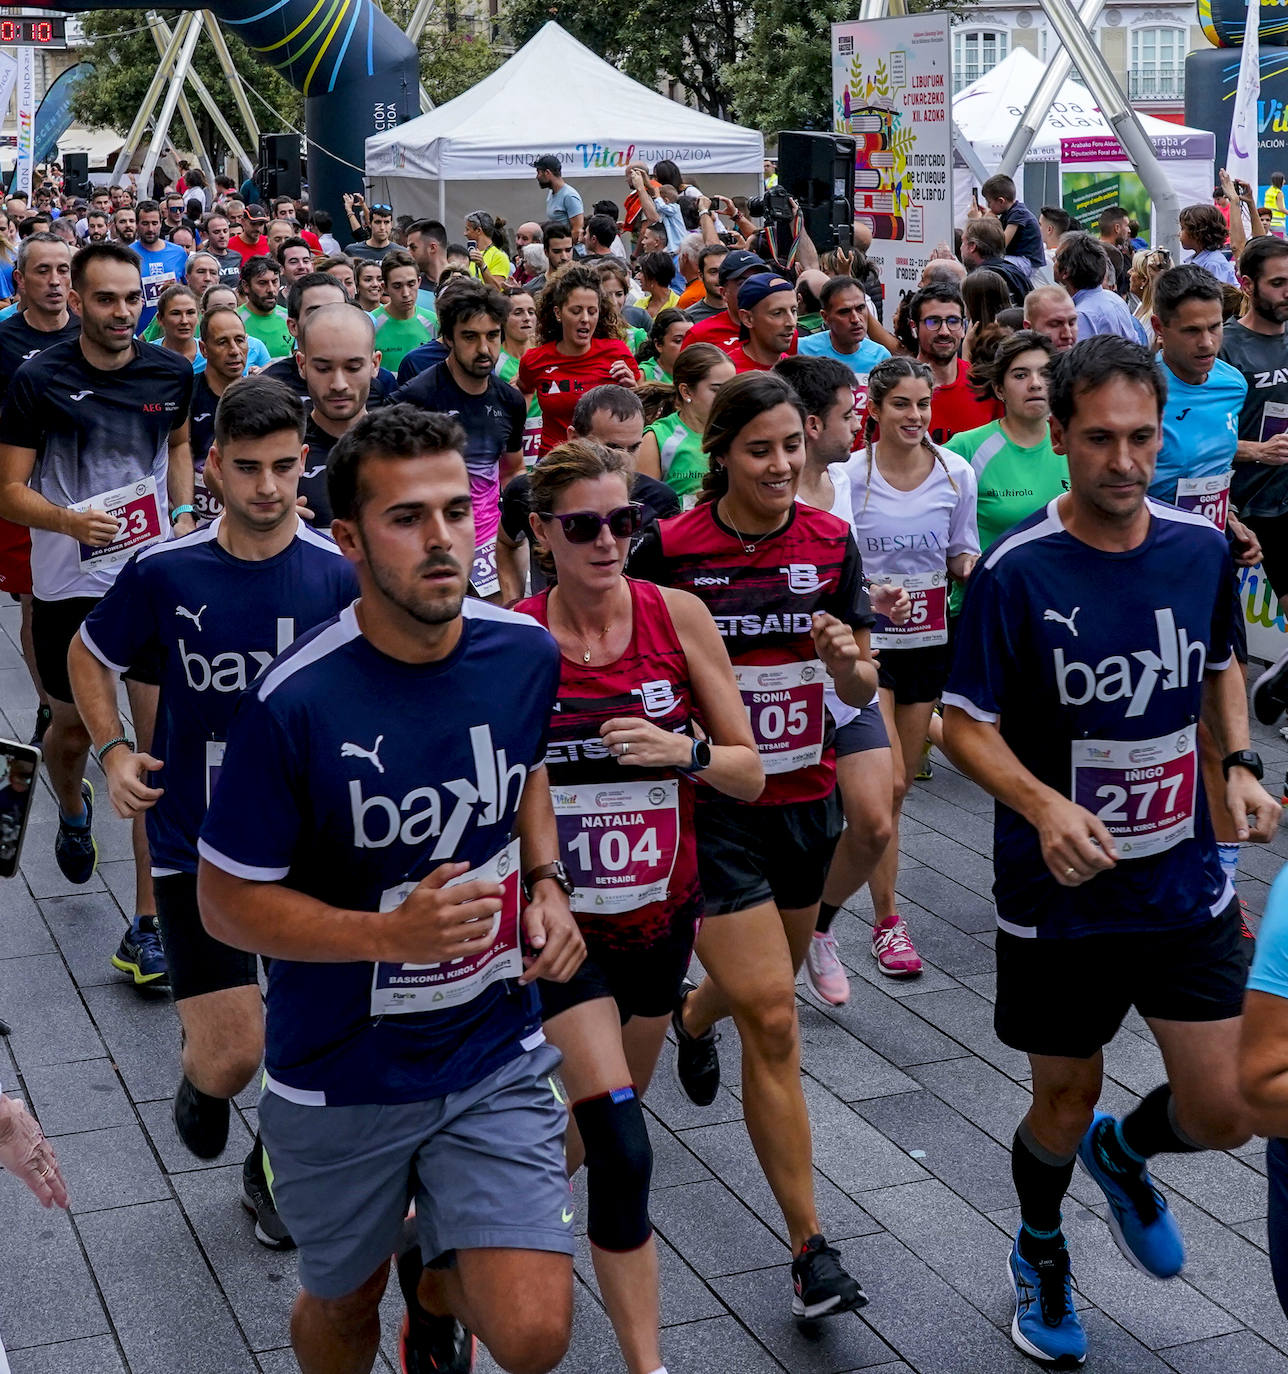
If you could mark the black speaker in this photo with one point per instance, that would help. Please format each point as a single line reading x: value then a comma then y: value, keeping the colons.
x: 817, y: 171
x: 280, y: 156
x: 76, y: 174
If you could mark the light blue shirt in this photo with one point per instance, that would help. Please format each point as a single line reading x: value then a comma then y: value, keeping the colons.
x: 563, y: 204
x: 256, y: 356
x: 1101, y: 312
x: 1270, y: 963
x: 1200, y: 427
x: 1218, y: 264
x: 864, y: 358
x: 672, y: 222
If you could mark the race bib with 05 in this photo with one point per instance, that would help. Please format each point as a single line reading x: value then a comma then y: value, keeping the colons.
x: 784, y: 703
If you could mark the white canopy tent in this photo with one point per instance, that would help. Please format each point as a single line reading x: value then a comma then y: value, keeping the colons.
x: 1074, y: 134
x: 553, y: 96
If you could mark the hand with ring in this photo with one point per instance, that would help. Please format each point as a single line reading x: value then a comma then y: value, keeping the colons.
x: 24, y: 1151
x: 636, y: 742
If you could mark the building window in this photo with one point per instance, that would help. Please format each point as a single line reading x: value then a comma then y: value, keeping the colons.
x: 1158, y: 63
x: 1049, y: 47
x: 976, y: 51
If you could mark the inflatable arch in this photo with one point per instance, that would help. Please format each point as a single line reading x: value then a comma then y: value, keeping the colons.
x: 355, y: 67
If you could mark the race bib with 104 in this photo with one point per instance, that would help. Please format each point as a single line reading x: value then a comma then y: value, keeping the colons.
x: 618, y: 843
x: 927, y: 625
x: 400, y: 989
x: 1206, y: 496
x: 784, y: 703
x: 1142, y: 790
x: 138, y: 516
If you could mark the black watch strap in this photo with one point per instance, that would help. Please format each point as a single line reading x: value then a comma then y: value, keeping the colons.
x: 1244, y: 758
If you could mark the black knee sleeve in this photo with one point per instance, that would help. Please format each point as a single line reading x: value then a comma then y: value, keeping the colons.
x: 619, y: 1168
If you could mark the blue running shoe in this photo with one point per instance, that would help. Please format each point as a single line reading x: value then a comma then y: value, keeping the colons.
x: 75, y: 847
x: 141, y: 956
x: 1143, y: 1228
x: 1045, y: 1325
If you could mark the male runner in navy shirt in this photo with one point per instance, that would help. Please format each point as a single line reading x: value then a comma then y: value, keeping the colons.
x: 1108, y: 888
x: 211, y: 611
x: 382, y: 792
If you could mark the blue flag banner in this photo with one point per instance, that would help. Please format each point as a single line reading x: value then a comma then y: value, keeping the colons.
x: 54, y: 117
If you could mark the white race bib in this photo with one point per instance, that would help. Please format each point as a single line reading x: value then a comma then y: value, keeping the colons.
x: 484, y: 577
x: 214, y: 762
x: 1142, y: 790
x: 928, y: 623
x: 784, y: 703
x: 401, y: 989
x: 138, y: 514
x: 1206, y: 496
x: 206, y: 504
x: 531, y: 440
x: 618, y: 842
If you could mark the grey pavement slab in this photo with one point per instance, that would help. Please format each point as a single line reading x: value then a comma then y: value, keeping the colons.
x: 968, y: 1018
x: 852, y: 1153
x: 88, y: 931
x: 885, y: 1025
x: 714, y: 1232
x: 142, y: 1034
x: 166, y: 1306
x: 843, y: 1064
x: 684, y: 1297
x: 22, y: 928
x: 41, y: 1003
x: 97, y: 1353
x: 81, y: 1096
x: 1241, y: 1352
x: 158, y: 1119
x: 982, y: 1094
x: 110, y: 1168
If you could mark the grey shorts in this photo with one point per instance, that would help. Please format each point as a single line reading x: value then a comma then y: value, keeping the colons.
x: 485, y: 1167
x: 866, y: 731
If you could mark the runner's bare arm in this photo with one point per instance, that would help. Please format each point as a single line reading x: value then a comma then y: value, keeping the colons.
x: 845, y: 653
x: 1075, y: 844
x: 1263, y: 1061
x: 179, y: 477
x: 577, y: 224
x: 511, y: 465
x: 1252, y: 810
x: 548, y: 923
x: 649, y: 459
x: 511, y: 567
x: 26, y: 507
x: 94, y: 687
x: 433, y: 924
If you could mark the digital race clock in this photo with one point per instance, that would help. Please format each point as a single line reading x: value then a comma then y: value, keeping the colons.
x: 21, y: 32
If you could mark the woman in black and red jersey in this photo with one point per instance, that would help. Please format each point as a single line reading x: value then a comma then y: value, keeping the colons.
x: 784, y: 583
x: 578, y: 349
x: 640, y: 662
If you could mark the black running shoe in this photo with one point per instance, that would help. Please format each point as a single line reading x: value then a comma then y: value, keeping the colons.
x: 822, y: 1287
x: 44, y: 719
x: 1270, y: 691
x: 697, y: 1065
x: 74, y: 846
x: 428, y: 1344
x: 257, y: 1198
x: 201, y: 1120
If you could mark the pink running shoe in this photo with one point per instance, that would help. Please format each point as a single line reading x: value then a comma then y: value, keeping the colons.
x: 828, y: 981
x: 893, y: 950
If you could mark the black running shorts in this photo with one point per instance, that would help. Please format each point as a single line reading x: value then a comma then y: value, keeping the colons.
x: 1067, y: 998
x: 914, y: 675
x: 748, y: 855
x: 198, y: 963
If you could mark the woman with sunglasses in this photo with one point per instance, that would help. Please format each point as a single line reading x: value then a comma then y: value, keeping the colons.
x: 640, y: 665
x: 579, y: 348
x: 785, y: 584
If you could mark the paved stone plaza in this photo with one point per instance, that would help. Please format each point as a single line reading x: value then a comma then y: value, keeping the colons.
x: 913, y: 1102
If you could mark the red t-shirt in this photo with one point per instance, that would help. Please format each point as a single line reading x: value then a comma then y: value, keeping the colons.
x: 955, y: 408
x: 561, y: 379
x: 247, y: 251
x: 744, y: 362
x: 312, y: 240
x: 721, y: 331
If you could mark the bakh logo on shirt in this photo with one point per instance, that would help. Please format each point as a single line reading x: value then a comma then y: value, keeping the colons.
x: 1112, y: 678
x: 231, y: 671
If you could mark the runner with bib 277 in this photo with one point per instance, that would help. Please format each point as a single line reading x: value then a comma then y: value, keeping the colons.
x: 640, y: 666
x: 1094, y: 637
x: 785, y: 585
x: 913, y: 508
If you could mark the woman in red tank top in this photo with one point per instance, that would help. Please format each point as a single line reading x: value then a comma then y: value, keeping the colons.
x: 578, y: 349
x: 641, y: 664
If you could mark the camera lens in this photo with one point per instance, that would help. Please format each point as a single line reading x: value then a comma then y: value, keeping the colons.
x: 757, y: 205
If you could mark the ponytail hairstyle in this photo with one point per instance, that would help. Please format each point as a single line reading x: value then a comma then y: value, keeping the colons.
x: 988, y: 374
x: 665, y: 319
x: 738, y: 403
x: 882, y: 380
x: 493, y: 227
x: 575, y: 460
x: 693, y: 365
x: 554, y: 296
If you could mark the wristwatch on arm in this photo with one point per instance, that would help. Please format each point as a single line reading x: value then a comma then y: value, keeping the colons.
x: 555, y: 870
x: 1244, y: 758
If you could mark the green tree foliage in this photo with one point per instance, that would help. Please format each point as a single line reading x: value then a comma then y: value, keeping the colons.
x: 450, y: 63
x: 655, y: 41
x: 125, y: 57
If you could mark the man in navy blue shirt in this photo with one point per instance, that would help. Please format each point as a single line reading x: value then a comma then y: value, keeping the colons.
x: 383, y: 793
x: 1108, y: 887
x: 211, y: 611
x: 1019, y: 223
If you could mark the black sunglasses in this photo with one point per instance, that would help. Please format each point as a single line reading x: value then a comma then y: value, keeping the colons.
x: 583, y: 526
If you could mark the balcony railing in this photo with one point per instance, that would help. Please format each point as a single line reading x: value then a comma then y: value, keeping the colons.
x: 1162, y: 83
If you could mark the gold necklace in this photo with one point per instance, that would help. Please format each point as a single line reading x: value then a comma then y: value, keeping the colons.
x: 585, y: 657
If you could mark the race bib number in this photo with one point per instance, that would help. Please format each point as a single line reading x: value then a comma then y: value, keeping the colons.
x: 206, y: 504
x: 928, y: 623
x: 1206, y: 496
x: 214, y: 762
x: 531, y: 440
x: 618, y: 842
x: 1142, y: 790
x: 1274, y: 419
x: 155, y: 285
x: 784, y: 703
x: 484, y: 577
x: 860, y: 407
x: 138, y: 516
x: 401, y: 989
